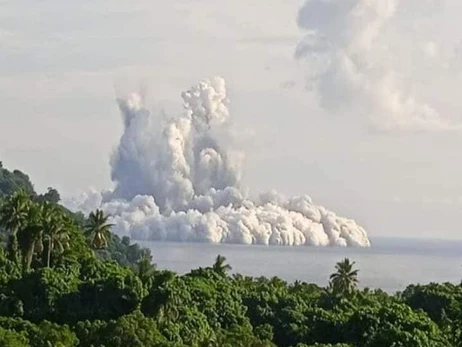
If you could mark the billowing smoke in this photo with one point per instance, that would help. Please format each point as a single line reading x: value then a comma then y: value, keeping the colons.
x: 183, y: 158
x: 179, y: 180
x: 350, y: 64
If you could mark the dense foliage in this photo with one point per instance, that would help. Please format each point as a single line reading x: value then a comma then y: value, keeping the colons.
x: 11, y: 182
x: 67, y: 281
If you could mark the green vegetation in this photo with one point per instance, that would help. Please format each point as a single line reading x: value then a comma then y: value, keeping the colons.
x: 66, y: 281
x: 11, y: 182
x: 345, y: 280
x: 98, y: 229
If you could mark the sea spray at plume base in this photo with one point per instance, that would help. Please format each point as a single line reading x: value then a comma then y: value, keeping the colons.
x: 180, y: 182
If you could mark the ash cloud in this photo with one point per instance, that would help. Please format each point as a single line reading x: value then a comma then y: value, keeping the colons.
x: 179, y: 180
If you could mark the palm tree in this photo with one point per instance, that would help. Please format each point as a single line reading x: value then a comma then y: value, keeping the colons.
x: 345, y: 280
x: 220, y: 265
x: 55, y: 234
x: 145, y: 269
x: 30, y: 236
x: 13, y: 217
x: 98, y: 229
x: 45, y: 223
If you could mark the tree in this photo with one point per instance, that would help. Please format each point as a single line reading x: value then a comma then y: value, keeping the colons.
x: 14, y: 181
x: 12, y: 338
x: 13, y: 217
x: 441, y: 301
x: 98, y: 229
x: 145, y: 270
x: 345, y: 280
x: 52, y: 195
x: 55, y: 235
x: 30, y: 236
x: 50, y: 334
x: 220, y: 265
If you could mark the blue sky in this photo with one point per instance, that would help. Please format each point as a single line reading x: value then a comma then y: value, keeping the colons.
x: 62, y: 65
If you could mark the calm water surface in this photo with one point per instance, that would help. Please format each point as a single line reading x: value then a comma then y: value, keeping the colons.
x: 390, y: 264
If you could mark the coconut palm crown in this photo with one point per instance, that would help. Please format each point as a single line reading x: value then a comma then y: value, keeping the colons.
x: 220, y: 265
x: 98, y: 229
x: 345, y: 279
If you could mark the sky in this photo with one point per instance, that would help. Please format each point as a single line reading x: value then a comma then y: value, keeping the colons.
x: 355, y: 103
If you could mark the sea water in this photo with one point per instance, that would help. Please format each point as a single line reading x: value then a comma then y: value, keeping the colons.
x: 390, y: 264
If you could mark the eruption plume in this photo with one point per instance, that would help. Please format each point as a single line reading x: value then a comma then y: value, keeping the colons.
x: 178, y: 181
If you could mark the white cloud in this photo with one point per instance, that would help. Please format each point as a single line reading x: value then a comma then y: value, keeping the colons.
x: 352, y: 64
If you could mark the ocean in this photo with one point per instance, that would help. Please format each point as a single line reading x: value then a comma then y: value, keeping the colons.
x: 390, y: 264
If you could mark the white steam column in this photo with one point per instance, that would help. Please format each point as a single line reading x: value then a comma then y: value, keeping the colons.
x: 181, y: 183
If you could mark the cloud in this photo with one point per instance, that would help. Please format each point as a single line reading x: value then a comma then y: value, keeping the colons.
x: 351, y: 65
x: 180, y: 180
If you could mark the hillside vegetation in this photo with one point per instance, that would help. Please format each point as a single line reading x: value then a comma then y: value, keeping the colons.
x: 66, y: 280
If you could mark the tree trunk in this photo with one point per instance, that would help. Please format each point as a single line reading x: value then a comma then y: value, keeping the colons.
x: 13, y: 247
x: 49, y: 252
x: 30, y: 255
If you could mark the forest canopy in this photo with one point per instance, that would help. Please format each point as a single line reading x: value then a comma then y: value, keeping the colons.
x: 66, y: 280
